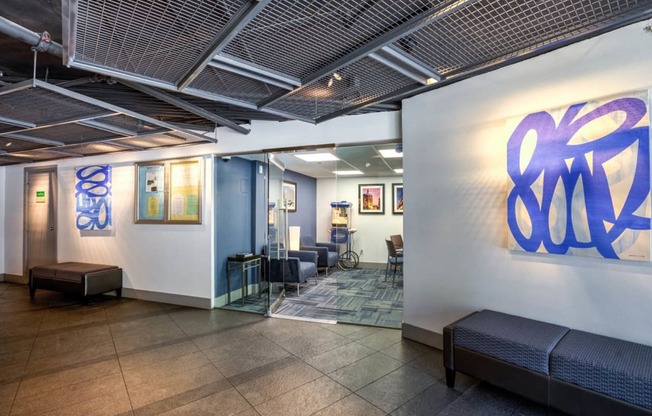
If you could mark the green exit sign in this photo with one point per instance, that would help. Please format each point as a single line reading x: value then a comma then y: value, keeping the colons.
x: 40, y: 194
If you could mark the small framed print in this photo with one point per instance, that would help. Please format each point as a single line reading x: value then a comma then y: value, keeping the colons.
x: 290, y: 196
x: 397, y: 198
x: 371, y: 198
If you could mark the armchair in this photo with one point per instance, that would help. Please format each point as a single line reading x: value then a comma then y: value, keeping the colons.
x: 297, y: 268
x: 328, y: 252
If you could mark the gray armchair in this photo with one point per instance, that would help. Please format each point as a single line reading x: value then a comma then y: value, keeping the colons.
x: 328, y: 252
x: 297, y: 268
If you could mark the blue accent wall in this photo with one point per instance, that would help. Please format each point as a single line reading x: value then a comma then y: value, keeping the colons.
x: 306, y: 214
x: 234, y: 202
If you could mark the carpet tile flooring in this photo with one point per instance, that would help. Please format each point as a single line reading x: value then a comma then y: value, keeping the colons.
x: 130, y: 357
x: 359, y: 296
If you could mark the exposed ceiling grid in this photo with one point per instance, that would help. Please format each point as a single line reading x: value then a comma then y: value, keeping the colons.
x: 155, y: 39
x: 310, y: 60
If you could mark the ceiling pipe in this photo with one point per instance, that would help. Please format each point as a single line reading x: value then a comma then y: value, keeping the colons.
x: 40, y: 42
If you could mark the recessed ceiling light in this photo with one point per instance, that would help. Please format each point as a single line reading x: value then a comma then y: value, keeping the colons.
x: 398, y: 170
x: 348, y: 172
x: 8, y: 144
x: 390, y: 153
x: 317, y: 157
x: 337, y: 76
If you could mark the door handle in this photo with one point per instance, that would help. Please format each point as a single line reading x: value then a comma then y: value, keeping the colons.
x: 51, y: 228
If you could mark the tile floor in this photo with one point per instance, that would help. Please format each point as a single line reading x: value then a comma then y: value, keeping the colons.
x: 129, y: 357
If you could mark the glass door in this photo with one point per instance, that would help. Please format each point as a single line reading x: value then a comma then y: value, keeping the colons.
x: 278, y: 270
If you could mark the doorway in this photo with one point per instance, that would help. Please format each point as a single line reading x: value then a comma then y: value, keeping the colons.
x: 40, y: 223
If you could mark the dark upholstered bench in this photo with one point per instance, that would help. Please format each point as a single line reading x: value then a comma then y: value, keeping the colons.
x: 82, y: 279
x: 596, y: 375
x: 573, y: 371
x: 505, y: 350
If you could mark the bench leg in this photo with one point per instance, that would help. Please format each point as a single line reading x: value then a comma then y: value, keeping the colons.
x: 85, y: 301
x: 118, y: 293
x: 450, y: 378
x: 32, y: 292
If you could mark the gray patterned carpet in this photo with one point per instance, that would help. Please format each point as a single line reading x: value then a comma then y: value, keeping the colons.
x: 359, y: 296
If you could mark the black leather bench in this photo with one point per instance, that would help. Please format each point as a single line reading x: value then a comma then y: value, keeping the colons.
x: 574, y: 371
x: 83, y: 279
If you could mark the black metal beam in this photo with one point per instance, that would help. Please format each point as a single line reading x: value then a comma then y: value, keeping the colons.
x: 242, y: 18
x: 410, y: 26
x: 452, y: 78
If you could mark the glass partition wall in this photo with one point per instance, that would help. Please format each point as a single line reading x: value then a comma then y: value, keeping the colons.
x: 346, y: 201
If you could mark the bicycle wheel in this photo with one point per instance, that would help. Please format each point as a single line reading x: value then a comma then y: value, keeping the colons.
x: 348, y: 260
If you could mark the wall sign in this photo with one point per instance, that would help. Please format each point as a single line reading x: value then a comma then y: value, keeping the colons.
x: 40, y: 197
x: 93, y: 197
x: 579, y: 179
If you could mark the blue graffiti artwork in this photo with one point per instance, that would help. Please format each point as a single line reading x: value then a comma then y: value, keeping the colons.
x: 93, y: 197
x: 580, y: 180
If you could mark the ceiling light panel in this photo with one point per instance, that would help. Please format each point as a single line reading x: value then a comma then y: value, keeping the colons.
x: 362, y: 81
x: 17, y: 145
x: 390, y: 153
x: 158, y: 40
x: 488, y: 30
x: 334, y: 28
x: 317, y: 157
x: 348, y: 172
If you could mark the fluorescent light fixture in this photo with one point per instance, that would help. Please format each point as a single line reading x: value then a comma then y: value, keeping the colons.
x: 337, y: 76
x: 398, y: 170
x: 347, y: 172
x: 390, y: 153
x: 317, y: 157
x: 431, y: 81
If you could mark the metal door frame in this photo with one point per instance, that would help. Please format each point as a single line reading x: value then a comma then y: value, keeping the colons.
x: 52, y: 201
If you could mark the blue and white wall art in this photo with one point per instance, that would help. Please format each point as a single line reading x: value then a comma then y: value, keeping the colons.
x: 579, y: 179
x: 93, y: 197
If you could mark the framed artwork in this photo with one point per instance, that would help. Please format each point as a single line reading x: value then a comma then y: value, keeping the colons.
x: 397, y: 198
x: 169, y: 192
x: 579, y: 179
x: 93, y: 198
x: 290, y: 196
x: 371, y: 198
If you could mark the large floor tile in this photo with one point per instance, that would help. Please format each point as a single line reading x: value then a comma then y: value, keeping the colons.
x: 71, y: 358
x: 429, y: 402
x: 396, y: 388
x: 365, y: 371
x: 244, y: 355
x: 264, y: 383
x: 67, y: 396
x: 305, y: 400
x: 339, y: 357
x: 167, y: 387
x: 352, y: 405
x: 482, y: 399
x: 381, y: 339
x: 225, y: 403
x: 136, y: 376
x: 145, y: 337
x: 156, y: 353
x: 406, y: 350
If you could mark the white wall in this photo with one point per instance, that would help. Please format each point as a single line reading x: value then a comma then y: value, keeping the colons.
x: 372, y: 229
x: 2, y: 220
x: 174, y: 259
x: 455, y: 166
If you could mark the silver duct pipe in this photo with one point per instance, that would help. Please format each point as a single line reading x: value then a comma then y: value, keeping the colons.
x: 40, y: 42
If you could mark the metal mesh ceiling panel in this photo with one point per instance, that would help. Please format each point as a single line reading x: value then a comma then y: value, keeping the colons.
x: 156, y: 39
x: 363, y: 81
x: 153, y: 141
x: 127, y: 123
x: 70, y: 134
x: 94, y: 149
x: 66, y: 119
x: 491, y: 30
x: 40, y: 106
x: 12, y: 145
x: 299, y: 37
x: 6, y: 128
x: 231, y: 85
x: 6, y: 160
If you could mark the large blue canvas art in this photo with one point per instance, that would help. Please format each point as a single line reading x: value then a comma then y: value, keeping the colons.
x: 579, y: 179
x: 93, y: 197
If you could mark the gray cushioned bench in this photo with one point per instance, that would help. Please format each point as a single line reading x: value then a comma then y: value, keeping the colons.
x: 82, y: 279
x: 574, y: 371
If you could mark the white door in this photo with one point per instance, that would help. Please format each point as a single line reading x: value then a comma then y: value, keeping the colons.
x: 40, y: 218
